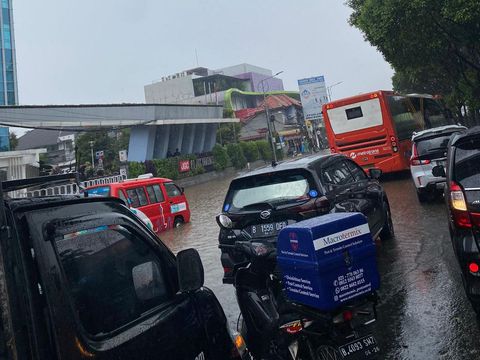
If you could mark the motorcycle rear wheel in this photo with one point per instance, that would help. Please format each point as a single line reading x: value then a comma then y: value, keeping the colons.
x: 328, y: 352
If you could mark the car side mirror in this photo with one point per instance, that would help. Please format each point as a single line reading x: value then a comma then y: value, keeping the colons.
x: 189, y: 270
x: 438, y: 171
x: 147, y: 281
x: 182, y: 190
x: 374, y: 173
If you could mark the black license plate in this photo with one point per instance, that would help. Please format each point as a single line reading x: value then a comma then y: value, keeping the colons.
x: 363, y: 348
x: 269, y: 229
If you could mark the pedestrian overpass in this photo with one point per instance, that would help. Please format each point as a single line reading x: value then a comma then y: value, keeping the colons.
x: 155, y: 128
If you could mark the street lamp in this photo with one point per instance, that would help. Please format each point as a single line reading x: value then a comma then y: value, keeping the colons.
x: 266, y: 114
x: 329, y: 90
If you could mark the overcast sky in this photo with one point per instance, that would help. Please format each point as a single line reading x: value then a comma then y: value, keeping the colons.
x: 105, y: 51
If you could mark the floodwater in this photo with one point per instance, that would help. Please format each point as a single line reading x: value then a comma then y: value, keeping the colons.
x: 423, y: 312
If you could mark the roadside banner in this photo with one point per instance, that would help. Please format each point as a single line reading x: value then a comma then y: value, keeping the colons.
x: 313, y: 94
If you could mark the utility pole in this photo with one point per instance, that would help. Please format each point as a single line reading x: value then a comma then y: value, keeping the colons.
x: 91, y: 151
x: 272, y: 141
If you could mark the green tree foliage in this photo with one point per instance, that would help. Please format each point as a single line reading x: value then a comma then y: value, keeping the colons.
x: 264, y: 149
x: 432, y: 45
x: 228, y: 133
x: 250, y: 150
x: 135, y: 169
x: 111, y: 142
x: 13, y: 141
x: 220, y: 157
x: 236, y: 156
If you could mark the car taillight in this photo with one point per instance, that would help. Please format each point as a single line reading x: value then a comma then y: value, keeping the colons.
x: 393, y: 142
x: 414, y: 160
x: 459, y: 206
x: 473, y: 268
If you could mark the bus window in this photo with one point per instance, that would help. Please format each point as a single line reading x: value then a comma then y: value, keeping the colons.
x: 405, y: 116
x: 434, y: 114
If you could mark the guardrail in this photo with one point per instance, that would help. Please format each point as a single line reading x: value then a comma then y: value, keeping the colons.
x: 66, y: 189
x: 104, y: 180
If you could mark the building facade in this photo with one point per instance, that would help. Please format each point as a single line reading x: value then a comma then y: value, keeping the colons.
x: 205, y: 86
x: 8, y: 70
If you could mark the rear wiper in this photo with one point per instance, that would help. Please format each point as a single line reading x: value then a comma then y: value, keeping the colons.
x: 443, y: 148
x: 260, y: 204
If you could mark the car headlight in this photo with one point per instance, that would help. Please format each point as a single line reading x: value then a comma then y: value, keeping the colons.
x: 224, y: 221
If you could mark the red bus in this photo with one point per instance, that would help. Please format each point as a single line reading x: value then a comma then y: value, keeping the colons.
x: 375, y: 129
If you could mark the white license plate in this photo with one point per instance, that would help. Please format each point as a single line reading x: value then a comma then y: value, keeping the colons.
x: 363, y: 348
x: 269, y: 229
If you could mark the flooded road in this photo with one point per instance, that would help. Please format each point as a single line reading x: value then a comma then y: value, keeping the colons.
x: 423, y: 312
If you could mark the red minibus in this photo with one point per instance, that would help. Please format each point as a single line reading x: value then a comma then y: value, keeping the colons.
x: 375, y: 129
x: 163, y: 202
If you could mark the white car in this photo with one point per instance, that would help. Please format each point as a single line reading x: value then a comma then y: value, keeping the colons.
x: 429, y: 148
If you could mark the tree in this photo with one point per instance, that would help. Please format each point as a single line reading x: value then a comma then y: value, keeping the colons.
x: 13, y: 140
x: 110, y: 142
x: 228, y: 133
x: 432, y: 45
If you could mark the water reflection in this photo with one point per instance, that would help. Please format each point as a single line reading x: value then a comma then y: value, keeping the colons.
x: 423, y: 311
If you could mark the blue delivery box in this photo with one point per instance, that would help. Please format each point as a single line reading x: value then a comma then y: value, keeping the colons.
x: 328, y: 261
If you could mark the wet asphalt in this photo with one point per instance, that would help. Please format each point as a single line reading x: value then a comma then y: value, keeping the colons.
x: 423, y: 312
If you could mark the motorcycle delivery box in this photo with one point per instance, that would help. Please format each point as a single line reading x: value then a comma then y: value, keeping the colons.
x: 328, y: 261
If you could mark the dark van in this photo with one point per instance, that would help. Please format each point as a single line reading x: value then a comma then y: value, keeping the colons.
x: 85, y: 278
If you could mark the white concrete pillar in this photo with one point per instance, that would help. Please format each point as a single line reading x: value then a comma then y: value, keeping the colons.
x: 188, y: 137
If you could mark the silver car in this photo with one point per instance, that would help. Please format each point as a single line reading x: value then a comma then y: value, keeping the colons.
x: 429, y: 148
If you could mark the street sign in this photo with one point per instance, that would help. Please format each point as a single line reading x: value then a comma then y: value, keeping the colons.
x: 122, y: 154
x: 313, y: 94
x: 184, y: 166
x: 123, y: 171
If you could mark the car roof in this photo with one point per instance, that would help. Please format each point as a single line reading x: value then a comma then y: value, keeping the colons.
x: 47, y: 201
x: 129, y: 182
x: 472, y: 132
x: 436, y: 130
x: 291, y: 164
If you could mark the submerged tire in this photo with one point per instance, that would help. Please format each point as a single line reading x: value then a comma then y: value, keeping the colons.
x: 422, y: 197
x: 387, y: 231
x: 178, y: 222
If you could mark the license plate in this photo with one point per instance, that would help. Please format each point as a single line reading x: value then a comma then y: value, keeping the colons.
x: 267, y: 229
x: 363, y: 348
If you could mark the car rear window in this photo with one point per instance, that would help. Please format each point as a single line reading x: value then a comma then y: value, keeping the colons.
x: 434, y: 146
x: 467, y: 164
x: 271, y: 189
x: 99, y: 191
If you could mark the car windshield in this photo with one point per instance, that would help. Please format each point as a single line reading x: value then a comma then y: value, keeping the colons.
x: 267, y: 190
x: 467, y: 164
x: 99, y: 191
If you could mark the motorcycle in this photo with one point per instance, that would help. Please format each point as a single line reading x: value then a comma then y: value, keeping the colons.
x: 276, y: 328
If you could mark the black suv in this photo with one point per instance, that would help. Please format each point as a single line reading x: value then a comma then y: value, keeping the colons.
x: 260, y: 203
x: 462, y: 195
x: 85, y: 278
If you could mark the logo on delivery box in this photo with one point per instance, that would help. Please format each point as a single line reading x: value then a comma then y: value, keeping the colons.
x: 293, y: 240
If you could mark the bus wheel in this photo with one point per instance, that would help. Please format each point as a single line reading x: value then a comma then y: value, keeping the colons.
x: 178, y: 222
